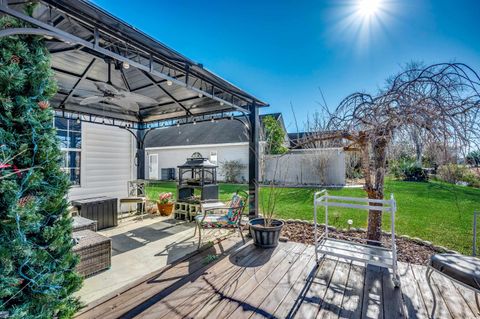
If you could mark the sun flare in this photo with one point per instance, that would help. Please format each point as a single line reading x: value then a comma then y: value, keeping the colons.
x: 368, y: 7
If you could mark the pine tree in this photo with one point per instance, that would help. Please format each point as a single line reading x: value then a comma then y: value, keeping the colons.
x: 37, y: 266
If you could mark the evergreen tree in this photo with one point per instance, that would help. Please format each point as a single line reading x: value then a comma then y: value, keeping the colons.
x: 37, y: 266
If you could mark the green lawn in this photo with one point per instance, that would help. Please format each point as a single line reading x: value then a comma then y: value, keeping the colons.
x: 434, y: 211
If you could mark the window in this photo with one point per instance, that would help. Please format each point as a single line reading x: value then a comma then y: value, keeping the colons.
x: 70, y: 134
x: 213, y: 157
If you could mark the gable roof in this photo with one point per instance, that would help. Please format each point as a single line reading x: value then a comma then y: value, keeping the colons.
x: 219, y: 132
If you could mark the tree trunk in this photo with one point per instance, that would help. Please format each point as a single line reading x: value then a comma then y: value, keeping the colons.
x: 374, y: 230
x: 376, y: 189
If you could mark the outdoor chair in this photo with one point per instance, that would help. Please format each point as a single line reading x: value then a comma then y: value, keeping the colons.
x: 228, y: 217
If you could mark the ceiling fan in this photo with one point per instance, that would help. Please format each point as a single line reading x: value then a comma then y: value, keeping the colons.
x: 116, y: 96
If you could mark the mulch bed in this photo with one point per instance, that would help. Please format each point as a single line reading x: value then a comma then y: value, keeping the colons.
x: 408, y: 250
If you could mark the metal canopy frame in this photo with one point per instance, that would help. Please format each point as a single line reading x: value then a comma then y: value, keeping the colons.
x: 186, y: 92
x: 81, y: 29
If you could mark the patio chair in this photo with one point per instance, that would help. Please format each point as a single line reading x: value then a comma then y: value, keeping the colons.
x: 228, y: 217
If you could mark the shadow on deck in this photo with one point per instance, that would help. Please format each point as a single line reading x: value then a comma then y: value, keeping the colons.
x: 285, y: 282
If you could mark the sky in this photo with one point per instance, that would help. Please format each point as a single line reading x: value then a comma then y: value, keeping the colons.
x: 287, y: 52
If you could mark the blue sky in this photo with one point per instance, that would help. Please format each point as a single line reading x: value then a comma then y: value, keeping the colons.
x: 285, y: 51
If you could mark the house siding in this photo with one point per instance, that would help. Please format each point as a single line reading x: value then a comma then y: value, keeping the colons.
x: 106, y: 162
x: 171, y: 157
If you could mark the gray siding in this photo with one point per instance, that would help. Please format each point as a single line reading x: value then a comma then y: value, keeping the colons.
x: 106, y: 162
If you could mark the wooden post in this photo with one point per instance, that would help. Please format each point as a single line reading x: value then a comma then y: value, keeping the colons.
x: 253, y: 162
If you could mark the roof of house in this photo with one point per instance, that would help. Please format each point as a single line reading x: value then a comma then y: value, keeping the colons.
x: 298, y: 139
x: 219, y: 132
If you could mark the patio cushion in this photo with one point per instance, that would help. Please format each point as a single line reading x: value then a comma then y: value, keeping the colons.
x: 465, y: 269
x: 214, y: 221
x: 235, y: 208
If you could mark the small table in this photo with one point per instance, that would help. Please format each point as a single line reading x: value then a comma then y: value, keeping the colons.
x: 134, y: 200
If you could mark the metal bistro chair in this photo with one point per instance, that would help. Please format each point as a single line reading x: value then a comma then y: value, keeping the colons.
x: 136, y: 195
x: 230, y: 217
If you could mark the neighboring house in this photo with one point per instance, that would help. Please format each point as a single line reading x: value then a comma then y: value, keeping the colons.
x: 98, y: 158
x: 313, y: 140
x: 218, y: 141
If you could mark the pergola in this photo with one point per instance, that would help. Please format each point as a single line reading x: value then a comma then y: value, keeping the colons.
x: 90, y: 46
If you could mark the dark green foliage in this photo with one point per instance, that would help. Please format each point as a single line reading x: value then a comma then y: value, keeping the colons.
x: 473, y: 158
x: 36, y: 262
x: 274, y: 136
x: 408, y: 170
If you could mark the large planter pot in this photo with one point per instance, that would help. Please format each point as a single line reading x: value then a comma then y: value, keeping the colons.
x: 165, y: 209
x: 265, y: 237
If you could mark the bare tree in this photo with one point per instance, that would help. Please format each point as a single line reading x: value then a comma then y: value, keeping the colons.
x: 441, y: 99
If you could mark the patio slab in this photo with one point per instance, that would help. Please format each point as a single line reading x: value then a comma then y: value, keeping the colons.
x: 138, y: 248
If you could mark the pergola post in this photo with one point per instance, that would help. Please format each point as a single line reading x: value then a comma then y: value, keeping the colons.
x: 253, y: 161
x: 140, y: 155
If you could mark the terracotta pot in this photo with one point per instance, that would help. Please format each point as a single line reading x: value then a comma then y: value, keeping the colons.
x: 165, y: 209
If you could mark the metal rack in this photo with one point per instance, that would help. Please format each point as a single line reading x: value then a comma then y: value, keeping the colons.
x: 366, y: 253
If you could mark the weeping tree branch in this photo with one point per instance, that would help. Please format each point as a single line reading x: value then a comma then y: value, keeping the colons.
x: 441, y: 101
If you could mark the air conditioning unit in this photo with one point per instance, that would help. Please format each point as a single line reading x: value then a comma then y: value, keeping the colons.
x: 168, y: 174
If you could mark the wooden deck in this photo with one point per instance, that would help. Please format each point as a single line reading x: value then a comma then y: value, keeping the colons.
x: 247, y: 282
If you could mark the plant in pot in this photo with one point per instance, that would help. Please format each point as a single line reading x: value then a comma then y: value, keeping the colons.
x: 165, y: 204
x: 265, y: 231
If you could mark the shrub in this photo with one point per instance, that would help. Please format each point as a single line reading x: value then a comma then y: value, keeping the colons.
x: 232, y: 170
x: 408, y: 170
x: 451, y: 173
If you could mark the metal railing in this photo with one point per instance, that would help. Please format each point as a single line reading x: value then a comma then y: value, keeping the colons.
x: 475, y: 213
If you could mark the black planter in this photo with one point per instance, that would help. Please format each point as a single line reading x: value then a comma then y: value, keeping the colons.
x: 265, y: 237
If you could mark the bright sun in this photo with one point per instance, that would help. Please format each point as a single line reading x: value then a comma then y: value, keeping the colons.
x: 368, y: 7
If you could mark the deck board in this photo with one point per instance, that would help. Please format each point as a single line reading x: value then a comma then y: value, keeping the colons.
x: 456, y: 305
x: 285, y: 282
x: 372, y: 306
x: 351, y: 306
x: 231, y: 299
x: 250, y: 305
x: 471, y: 298
x: 280, y: 292
x: 332, y: 302
x: 412, y: 297
x: 315, y: 295
x: 179, y: 303
x: 434, y: 303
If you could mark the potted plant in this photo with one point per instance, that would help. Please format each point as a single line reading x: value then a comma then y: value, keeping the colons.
x: 165, y: 204
x: 265, y: 231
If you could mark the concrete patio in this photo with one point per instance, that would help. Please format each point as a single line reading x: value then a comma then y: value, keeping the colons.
x: 138, y: 247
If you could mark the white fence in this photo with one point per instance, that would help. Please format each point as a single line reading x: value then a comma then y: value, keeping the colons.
x: 305, y: 167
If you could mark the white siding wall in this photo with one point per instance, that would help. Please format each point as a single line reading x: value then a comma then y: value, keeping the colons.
x: 106, y: 162
x: 171, y: 157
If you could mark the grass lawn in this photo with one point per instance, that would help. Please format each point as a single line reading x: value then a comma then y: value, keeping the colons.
x: 434, y: 211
